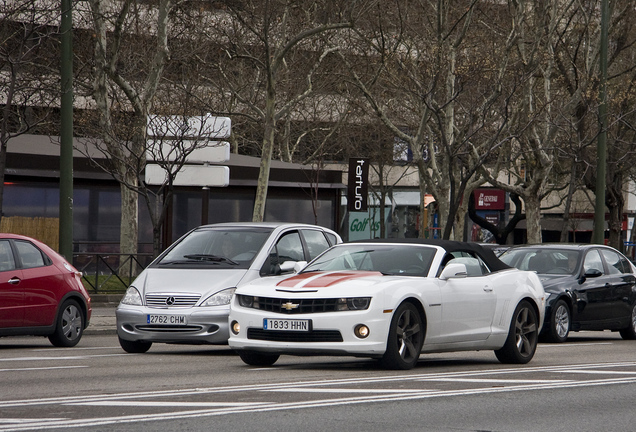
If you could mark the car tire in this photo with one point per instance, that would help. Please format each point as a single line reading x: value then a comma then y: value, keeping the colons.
x: 134, y: 347
x: 406, y: 337
x: 523, y: 336
x: 560, y: 322
x: 629, y: 333
x: 69, y: 325
x: 255, y: 358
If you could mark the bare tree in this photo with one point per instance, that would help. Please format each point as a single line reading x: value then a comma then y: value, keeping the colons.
x: 29, y: 77
x: 432, y: 90
x: 273, y: 51
x: 125, y: 83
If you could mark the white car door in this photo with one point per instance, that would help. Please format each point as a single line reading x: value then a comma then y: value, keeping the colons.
x: 468, y: 306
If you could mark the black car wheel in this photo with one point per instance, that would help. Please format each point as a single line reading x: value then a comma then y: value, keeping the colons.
x: 406, y: 336
x: 134, y: 347
x: 254, y: 358
x: 69, y: 325
x: 522, y: 336
x: 629, y: 333
x: 559, y: 328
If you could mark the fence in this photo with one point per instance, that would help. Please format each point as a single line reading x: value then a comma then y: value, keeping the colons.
x: 44, y: 229
x: 110, y: 273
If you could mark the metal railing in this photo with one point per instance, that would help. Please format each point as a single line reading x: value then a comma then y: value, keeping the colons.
x: 109, y: 272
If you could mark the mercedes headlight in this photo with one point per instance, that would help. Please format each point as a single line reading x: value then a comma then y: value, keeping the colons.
x: 221, y: 298
x: 132, y: 297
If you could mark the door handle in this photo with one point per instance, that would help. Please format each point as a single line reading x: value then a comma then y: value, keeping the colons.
x: 487, y: 288
x: 14, y: 280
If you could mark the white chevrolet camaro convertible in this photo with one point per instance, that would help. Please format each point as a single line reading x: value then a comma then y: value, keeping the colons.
x: 391, y: 300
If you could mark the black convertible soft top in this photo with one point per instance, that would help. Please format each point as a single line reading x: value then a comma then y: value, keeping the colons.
x: 488, y: 256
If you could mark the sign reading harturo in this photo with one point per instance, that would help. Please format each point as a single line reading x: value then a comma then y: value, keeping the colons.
x: 358, y: 185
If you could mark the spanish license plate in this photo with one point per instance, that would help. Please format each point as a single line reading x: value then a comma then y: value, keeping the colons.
x: 286, y: 324
x: 167, y: 319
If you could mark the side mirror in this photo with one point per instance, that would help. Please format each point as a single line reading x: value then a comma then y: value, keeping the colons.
x: 592, y: 273
x: 292, y: 266
x: 454, y: 271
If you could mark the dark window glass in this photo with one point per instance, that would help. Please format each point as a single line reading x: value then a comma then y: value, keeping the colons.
x: 593, y: 262
x: 30, y: 256
x: 316, y: 242
x: 6, y: 256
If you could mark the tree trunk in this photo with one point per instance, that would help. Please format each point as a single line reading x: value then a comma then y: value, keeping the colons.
x: 266, y: 161
x: 533, y: 219
x: 129, y: 218
x: 615, y: 203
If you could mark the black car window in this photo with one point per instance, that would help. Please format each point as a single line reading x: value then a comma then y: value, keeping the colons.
x: 474, y: 265
x: 613, y: 260
x: 332, y: 238
x: 225, y: 247
x: 30, y: 256
x: 316, y: 242
x: 593, y: 262
x: 290, y: 248
x: 627, y: 268
x: 7, y: 262
x: 287, y: 248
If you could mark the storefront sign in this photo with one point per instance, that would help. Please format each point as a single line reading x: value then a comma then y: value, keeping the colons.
x: 358, y: 185
x: 490, y: 199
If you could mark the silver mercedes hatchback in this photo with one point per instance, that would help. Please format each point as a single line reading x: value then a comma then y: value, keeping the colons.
x: 184, y: 295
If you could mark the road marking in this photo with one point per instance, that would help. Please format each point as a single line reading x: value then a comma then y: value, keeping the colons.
x: 265, y: 407
x: 41, y: 368
x: 79, y: 357
x: 357, y: 396
x: 496, y: 381
x: 74, y: 349
x: 567, y: 345
x: 348, y: 390
x: 21, y: 420
x: 168, y: 404
x: 592, y: 372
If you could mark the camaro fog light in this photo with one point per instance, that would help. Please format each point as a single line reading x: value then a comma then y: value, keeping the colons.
x: 361, y: 331
x: 236, y: 327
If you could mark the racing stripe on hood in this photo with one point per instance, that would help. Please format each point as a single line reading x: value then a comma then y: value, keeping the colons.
x: 312, y: 280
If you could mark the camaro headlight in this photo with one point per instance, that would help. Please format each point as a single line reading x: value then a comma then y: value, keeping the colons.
x: 132, y: 297
x: 221, y: 298
x: 247, y: 300
x: 353, y: 303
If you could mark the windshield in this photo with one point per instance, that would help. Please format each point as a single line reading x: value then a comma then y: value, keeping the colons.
x: 404, y: 260
x: 543, y: 261
x: 216, y: 247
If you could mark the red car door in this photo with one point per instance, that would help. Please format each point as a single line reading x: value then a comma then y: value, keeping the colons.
x: 11, y: 289
x: 41, y: 284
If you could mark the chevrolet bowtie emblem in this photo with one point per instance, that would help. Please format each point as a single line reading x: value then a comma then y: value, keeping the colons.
x: 289, y: 306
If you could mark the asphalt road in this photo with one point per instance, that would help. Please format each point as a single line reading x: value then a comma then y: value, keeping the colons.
x: 587, y: 384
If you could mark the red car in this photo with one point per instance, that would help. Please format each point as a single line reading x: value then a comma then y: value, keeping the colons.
x: 40, y: 293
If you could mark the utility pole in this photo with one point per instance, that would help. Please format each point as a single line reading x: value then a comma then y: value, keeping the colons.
x: 66, y: 132
x: 598, y: 235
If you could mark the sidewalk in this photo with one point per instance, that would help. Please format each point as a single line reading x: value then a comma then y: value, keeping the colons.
x: 103, y: 316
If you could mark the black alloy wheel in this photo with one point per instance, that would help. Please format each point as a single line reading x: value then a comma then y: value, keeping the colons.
x: 523, y: 336
x: 406, y: 337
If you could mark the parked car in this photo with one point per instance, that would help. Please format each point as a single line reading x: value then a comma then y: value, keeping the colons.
x: 41, y: 294
x: 391, y: 300
x: 588, y: 287
x: 184, y: 295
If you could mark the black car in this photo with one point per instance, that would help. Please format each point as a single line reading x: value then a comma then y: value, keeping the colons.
x: 588, y: 287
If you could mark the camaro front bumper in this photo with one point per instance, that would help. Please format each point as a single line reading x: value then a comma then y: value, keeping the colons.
x: 330, y: 333
x: 195, y: 325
